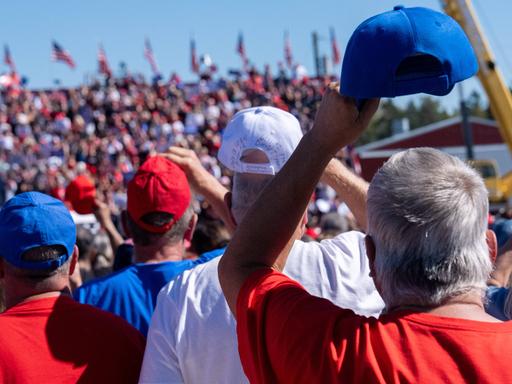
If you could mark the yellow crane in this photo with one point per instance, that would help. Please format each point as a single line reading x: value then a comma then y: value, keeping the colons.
x: 500, y: 98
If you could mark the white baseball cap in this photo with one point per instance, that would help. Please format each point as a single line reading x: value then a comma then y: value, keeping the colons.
x: 270, y: 130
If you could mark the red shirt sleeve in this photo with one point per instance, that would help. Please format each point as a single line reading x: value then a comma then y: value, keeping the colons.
x: 285, y: 334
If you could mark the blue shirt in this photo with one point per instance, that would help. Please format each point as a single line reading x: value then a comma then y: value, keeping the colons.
x: 131, y: 292
x: 496, y: 299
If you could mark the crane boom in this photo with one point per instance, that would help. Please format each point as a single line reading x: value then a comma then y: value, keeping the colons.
x: 500, y: 98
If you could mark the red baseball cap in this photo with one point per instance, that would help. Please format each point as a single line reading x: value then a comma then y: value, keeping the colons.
x: 158, y: 186
x: 80, y: 193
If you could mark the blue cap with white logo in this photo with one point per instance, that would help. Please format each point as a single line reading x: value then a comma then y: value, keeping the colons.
x: 406, y: 51
x: 33, y: 219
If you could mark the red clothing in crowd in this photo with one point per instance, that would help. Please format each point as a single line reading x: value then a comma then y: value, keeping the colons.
x: 286, y: 335
x: 57, y: 340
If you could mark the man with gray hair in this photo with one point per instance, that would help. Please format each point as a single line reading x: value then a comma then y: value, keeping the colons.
x: 449, y: 207
x: 192, y: 335
x: 430, y: 255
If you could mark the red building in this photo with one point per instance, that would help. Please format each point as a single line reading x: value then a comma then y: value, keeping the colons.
x: 444, y: 135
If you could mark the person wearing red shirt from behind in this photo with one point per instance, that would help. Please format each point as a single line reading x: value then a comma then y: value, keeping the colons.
x: 47, y: 337
x: 430, y: 256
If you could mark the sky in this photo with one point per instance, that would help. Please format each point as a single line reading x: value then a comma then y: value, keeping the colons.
x: 28, y: 27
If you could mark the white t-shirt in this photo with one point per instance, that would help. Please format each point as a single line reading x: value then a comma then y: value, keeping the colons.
x: 192, y: 336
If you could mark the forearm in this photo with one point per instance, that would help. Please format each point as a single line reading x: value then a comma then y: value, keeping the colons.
x: 269, y: 225
x: 350, y: 187
x: 202, y: 182
x: 214, y: 193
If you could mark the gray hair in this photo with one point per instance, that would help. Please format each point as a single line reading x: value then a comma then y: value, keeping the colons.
x: 427, y: 215
x: 246, y: 189
x: 172, y: 236
x: 41, y: 279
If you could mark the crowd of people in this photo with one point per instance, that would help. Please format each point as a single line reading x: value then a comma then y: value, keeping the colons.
x: 110, y: 127
x: 229, y: 241
x: 105, y: 131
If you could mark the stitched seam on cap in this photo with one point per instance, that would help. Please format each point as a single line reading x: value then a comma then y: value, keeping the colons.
x: 413, y: 29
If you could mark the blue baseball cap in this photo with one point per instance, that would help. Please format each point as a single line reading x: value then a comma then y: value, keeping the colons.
x: 33, y: 219
x: 406, y: 51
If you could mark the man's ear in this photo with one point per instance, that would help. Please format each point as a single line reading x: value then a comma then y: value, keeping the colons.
x: 191, y: 227
x: 74, y: 260
x: 228, y: 201
x: 124, y: 224
x: 492, y: 244
x: 370, y: 252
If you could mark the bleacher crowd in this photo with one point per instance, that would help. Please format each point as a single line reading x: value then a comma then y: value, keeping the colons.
x: 111, y: 126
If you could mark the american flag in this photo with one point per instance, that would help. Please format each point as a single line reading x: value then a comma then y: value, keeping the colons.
x: 148, y: 54
x: 336, y: 56
x: 288, y: 50
x: 194, y: 64
x: 240, y: 48
x: 103, y: 66
x: 59, y: 54
x: 8, y: 58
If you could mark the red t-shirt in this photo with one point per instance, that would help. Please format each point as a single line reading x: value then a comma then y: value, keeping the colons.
x: 285, y: 335
x: 57, y: 340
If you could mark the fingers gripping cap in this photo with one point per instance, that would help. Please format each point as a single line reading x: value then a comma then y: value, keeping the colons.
x: 270, y: 130
x: 31, y: 220
x: 158, y: 186
x: 406, y: 51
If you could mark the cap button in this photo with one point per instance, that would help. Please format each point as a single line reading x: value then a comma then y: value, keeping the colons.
x: 398, y: 7
x: 258, y: 110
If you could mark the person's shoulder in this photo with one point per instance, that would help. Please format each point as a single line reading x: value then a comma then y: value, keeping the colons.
x: 203, y: 273
x: 349, y: 244
x: 210, y: 255
x: 493, y: 292
x: 91, y: 315
x: 496, y: 296
x: 496, y: 302
x: 194, y: 280
x: 114, y: 279
x: 202, y: 270
x: 111, y: 324
x: 352, y: 240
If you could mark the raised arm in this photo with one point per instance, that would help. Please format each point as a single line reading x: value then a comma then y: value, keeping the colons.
x: 202, y: 182
x: 104, y: 217
x: 261, y: 239
x: 350, y: 187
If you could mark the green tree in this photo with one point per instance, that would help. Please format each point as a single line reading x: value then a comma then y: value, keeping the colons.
x: 475, y: 106
x: 428, y: 110
x: 380, y: 126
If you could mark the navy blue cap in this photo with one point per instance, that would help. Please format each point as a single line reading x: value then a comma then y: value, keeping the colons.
x: 33, y: 219
x: 406, y: 51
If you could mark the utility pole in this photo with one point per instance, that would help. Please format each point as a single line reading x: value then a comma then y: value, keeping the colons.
x: 326, y: 65
x: 316, y: 54
x: 466, y: 125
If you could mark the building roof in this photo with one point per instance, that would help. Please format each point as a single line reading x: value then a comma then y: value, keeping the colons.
x: 445, y: 133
